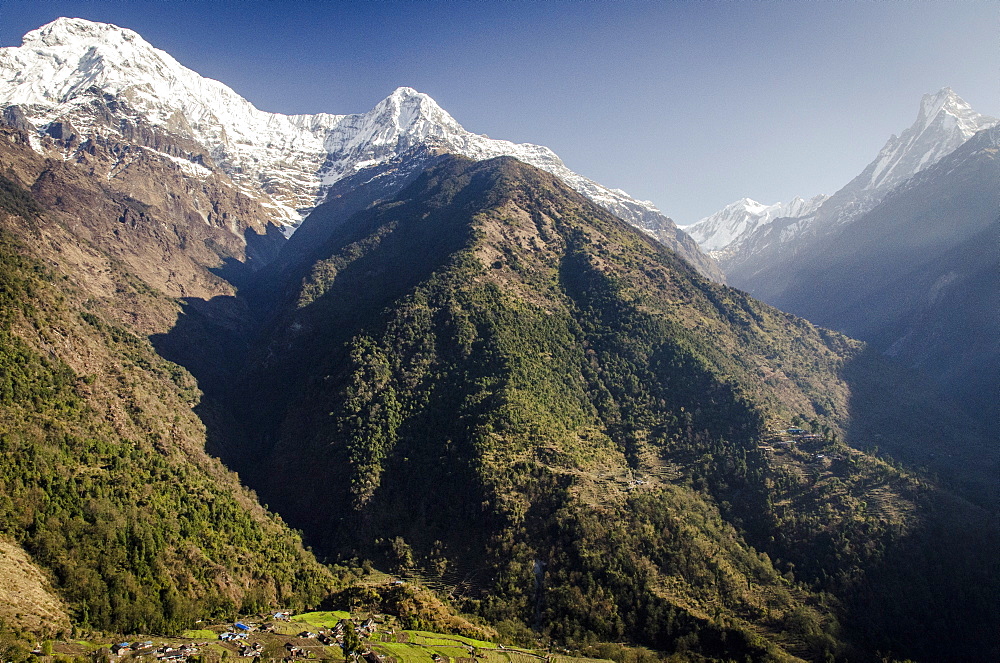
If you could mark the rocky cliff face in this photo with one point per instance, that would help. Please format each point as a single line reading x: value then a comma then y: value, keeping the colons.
x: 186, y: 232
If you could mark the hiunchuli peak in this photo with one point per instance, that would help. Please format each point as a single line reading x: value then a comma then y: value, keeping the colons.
x: 69, y: 70
x: 65, y: 30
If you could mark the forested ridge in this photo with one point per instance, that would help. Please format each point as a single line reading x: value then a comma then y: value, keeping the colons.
x: 496, y: 377
x: 103, y: 478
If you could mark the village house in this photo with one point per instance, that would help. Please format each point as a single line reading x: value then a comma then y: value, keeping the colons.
x: 229, y: 636
x: 295, y: 652
x: 252, y: 650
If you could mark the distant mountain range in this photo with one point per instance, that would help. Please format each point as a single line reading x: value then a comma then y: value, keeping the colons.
x: 905, y: 256
x: 723, y: 233
x: 83, y: 81
x: 752, y: 241
x: 918, y: 276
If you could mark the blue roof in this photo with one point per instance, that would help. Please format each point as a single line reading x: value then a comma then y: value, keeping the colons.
x: 242, y: 626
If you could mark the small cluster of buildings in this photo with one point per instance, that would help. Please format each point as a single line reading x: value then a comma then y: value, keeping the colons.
x: 252, y: 650
x: 167, y: 653
x: 295, y: 652
x: 800, y: 434
x: 784, y: 439
x: 239, y: 631
x: 232, y: 636
x: 239, y: 634
x: 163, y: 653
x: 335, y: 636
x: 129, y: 647
x: 367, y: 628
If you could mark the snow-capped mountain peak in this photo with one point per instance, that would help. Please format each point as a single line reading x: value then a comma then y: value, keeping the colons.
x: 61, y: 60
x: 65, y: 30
x: 65, y: 63
x: 737, y: 220
x: 63, y: 57
x: 411, y: 105
x: 108, y: 82
x: 64, y: 66
x: 410, y: 112
x: 943, y: 122
x: 745, y: 228
x: 946, y: 102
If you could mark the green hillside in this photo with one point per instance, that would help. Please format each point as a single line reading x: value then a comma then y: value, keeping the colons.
x: 487, y: 384
x: 495, y: 381
x: 103, y: 476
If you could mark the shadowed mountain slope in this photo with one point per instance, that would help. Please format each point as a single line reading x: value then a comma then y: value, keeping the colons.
x: 919, y: 275
x: 104, y: 481
x: 491, y: 375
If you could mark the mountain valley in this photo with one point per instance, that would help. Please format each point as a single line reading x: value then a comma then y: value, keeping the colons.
x: 455, y: 359
x: 904, y: 257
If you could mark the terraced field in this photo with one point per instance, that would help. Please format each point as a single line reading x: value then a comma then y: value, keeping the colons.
x: 404, y: 652
x: 323, y: 619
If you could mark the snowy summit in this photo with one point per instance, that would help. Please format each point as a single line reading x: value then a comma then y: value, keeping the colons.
x: 944, y: 122
x: 71, y: 69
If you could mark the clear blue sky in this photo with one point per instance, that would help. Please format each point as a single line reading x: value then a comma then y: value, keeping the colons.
x: 689, y: 104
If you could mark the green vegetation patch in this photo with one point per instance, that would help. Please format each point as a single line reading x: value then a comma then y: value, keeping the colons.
x: 324, y: 618
x: 404, y: 652
x: 426, y: 637
x: 512, y: 656
x: 126, y: 511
